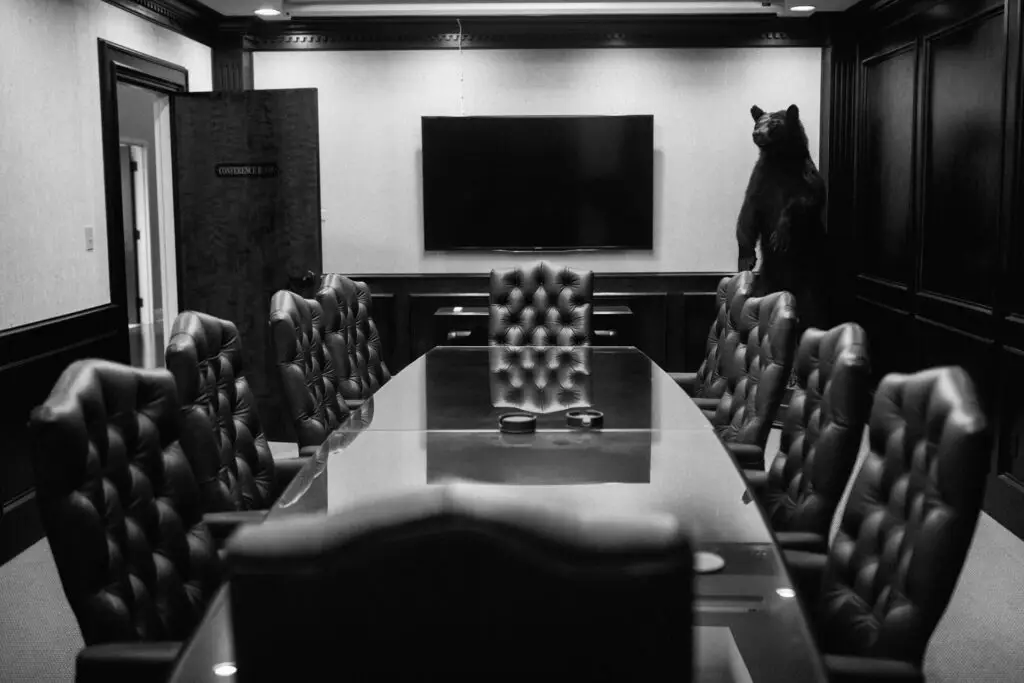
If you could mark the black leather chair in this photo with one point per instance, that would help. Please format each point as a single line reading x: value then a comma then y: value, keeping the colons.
x: 352, y: 337
x: 707, y: 385
x: 121, y: 506
x: 540, y: 380
x: 463, y: 582
x: 205, y: 356
x: 821, y: 436
x: 305, y: 369
x: 541, y: 305
x: 756, y: 370
x: 878, y: 594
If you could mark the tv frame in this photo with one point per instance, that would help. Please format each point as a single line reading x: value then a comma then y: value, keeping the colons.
x: 539, y: 250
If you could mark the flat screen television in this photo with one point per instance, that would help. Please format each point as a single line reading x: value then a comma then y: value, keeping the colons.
x: 536, y: 183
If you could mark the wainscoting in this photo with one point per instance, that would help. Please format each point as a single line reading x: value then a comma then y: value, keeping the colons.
x: 672, y: 312
x: 33, y: 357
x: 925, y: 152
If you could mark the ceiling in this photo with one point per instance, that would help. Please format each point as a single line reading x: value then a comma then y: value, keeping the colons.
x: 467, y: 8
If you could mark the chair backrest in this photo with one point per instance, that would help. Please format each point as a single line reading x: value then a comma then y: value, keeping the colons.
x: 205, y: 356
x: 757, y: 368
x: 120, y: 503
x: 541, y: 305
x: 305, y: 367
x: 522, y: 587
x: 910, y: 517
x: 352, y: 337
x: 711, y: 383
x: 822, y: 429
x: 540, y: 380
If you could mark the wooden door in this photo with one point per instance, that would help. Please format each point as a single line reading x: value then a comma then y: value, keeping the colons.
x: 247, y: 186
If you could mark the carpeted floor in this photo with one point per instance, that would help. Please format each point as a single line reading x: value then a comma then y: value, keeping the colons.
x: 980, y: 638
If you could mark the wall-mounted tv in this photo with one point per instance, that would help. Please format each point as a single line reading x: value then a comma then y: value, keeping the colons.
x: 534, y: 183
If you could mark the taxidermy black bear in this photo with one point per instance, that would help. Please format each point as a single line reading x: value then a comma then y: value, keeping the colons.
x: 784, y: 209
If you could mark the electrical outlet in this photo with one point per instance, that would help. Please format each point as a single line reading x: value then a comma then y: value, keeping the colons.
x: 323, y: 215
x: 89, y: 238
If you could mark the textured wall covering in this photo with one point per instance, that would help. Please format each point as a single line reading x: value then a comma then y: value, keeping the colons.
x: 371, y: 103
x: 51, y: 162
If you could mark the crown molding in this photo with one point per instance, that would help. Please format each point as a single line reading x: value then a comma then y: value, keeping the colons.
x: 190, y: 18
x: 420, y: 33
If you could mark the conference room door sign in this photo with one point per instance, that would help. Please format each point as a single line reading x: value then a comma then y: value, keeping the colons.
x: 269, y: 170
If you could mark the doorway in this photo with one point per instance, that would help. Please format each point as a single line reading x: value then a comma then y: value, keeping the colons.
x: 135, y: 92
x: 149, y: 255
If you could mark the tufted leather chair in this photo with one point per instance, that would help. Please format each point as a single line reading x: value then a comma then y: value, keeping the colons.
x: 540, y: 380
x: 521, y: 588
x: 205, y: 356
x: 119, y: 500
x: 757, y: 369
x: 352, y: 338
x: 708, y: 384
x: 892, y: 567
x: 305, y: 369
x: 821, y: 436
x: 541, y: 306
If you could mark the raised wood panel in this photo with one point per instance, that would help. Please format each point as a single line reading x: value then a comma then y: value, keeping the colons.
x: 699, y: 311
x: 1005, y: 490
x: 428, y: 331
x: 940, y: 344
x: 885, y: 185
x: 890, y: 336
x: 963, y: 148
x: 384, y: 317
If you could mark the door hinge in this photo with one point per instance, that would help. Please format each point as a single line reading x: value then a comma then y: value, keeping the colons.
x: 135, y: 166
x: 138, y: 235
x: 139, y: 300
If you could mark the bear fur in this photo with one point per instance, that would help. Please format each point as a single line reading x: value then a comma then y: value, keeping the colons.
x: 784, y: 209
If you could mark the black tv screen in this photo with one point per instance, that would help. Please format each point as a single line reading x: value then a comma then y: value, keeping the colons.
x: 538, y: 182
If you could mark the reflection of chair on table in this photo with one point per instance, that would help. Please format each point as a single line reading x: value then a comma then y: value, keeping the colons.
x: 540, y: 380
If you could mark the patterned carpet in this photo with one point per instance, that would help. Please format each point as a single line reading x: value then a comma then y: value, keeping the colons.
x: 979, y: 638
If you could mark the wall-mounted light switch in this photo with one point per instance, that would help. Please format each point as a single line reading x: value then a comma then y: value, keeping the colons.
x: 88, y: 238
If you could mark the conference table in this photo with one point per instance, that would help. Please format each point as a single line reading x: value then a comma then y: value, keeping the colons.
x: 437, y: 420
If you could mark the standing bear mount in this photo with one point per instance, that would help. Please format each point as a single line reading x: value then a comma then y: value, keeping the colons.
x: 784, y: 209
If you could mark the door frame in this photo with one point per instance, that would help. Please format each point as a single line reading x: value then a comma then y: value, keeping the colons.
x: 121, y: 65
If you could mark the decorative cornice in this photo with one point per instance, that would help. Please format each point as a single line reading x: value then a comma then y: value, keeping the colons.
x: 190, y: 18
x: 531, y: 32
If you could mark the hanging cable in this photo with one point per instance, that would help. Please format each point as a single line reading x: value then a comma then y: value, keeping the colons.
x: 462, y: 94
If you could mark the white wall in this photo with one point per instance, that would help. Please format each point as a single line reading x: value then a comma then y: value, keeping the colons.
x: 371, y: 103
x: 51, y: 159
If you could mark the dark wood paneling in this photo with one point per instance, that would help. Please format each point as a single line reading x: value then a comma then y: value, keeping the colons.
x: 962, y: 303
x: 885, y: 185
x: 671, y: 313
x: 963, y: 158
x: 33, y: 357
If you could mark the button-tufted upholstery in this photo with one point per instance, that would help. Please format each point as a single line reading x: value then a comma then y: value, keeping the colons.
x: 120, y: 504
x: 540, y: 380
x: 756, y: 368
x: 536, y: 591
x: 351, y: 336
x: 205, y: 356
x: 305, y: 368
x: 541, y: 305
x: 724, y: 333
x: 910, y: 517
x: 822, y: 430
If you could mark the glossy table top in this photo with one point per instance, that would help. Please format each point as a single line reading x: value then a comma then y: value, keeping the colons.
x: 437, y: 419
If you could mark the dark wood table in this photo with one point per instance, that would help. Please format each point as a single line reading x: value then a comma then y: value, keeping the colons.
x: 437, y: 419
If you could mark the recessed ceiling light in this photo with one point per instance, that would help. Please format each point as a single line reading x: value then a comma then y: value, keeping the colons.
x: 267, y: 12
x: 225, y: 669
x: 786, y: 592
x: 802, y: 8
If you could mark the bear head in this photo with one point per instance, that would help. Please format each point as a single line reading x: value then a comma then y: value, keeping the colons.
x: 779, y: 131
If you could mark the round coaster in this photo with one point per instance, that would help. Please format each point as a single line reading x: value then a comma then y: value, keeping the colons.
x: 585, y: 419
x: 517, y: 423
x: 707, y: 563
